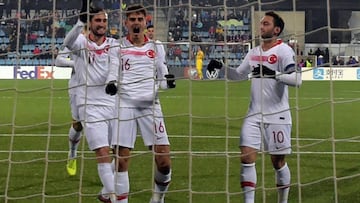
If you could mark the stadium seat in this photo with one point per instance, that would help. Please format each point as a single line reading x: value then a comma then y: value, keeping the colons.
x: 28, y: 62
x: 6, y: 40
x: 185, y: 34
x: 41, y: 33
x: 42, y: 62
x: 22, y: 62
x: 47, y: 40
x: 2, y: 33
x: 9, y: 62
x: 40, y: 40
x: 59, y: 40
x: 36, y: 62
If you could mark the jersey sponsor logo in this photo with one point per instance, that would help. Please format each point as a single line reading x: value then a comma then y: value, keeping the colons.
x: 37, y: 72
x: 272, y: 59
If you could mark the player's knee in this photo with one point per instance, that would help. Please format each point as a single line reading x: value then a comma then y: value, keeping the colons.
x: 77, y: 126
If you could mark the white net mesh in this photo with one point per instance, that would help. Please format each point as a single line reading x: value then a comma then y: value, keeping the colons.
x: 203, y: 116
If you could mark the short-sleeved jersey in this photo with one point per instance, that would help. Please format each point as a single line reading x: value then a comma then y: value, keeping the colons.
x: 95, y: 66
x: 269, y: 97
x: 142, y: 73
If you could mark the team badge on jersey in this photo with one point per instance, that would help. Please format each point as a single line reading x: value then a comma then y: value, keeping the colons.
x: 150, y: 53
x: 272, y: 59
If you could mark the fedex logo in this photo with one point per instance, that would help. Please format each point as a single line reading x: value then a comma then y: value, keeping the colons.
x: 37, y: 72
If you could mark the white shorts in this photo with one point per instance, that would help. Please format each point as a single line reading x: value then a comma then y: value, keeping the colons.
x: 277, y: 137
x: 100, y: 125
x: 73, y: 107
x: 149, y: 121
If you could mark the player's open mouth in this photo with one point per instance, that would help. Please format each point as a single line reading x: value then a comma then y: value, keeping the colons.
x: 136, y: 30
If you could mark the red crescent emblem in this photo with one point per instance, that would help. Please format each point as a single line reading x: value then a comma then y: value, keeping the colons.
x: 150, y: 53
x: 272, y: 59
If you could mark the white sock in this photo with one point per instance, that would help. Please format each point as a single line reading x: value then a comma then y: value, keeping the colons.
x: 122, y: 186
x: 283, y: 177
x: 106, y: 175
x: 113, y: 165
x: 248, y: 181
x: 74, y: 138
x: 161, y: 186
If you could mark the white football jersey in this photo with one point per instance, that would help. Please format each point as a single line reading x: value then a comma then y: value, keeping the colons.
x: 95, y: 65
x: 269, y: 97
x: 142, y: 73
x: 66, y: 59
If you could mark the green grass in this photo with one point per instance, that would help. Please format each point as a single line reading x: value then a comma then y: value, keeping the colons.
x: 203, y: 120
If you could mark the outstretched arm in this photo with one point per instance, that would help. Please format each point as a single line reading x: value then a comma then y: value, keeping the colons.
x: 240, y: 73
x: 292, y: 78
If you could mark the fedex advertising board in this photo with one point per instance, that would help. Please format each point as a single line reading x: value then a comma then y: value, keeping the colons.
x: 34, y: 72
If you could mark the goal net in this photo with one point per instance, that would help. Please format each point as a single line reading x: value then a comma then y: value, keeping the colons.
x: 203, y: 116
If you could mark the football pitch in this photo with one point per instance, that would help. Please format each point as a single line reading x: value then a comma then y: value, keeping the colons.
x: 203, y: 120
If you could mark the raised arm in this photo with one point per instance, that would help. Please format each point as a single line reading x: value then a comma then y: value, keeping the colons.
x: 74, y: 33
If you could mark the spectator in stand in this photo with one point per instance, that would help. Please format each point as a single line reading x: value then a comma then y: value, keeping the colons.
x: 310, y: 52
x: 320, y: 60
x: 308, y: 63
x: 219, y: 31
x: 327, y: 55
x: 318, y: 52
x: 212, y: 32
x: 336, y: 60
x: 37, y: 51
x: 301, y: 63
x: 26, y: 6
x: 352, y: 61
x: 8, y: 7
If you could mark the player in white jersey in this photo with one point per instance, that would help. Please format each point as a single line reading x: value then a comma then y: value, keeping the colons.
x: 143, y: 72
x: 96, y: 66
x: 272, y: 69
x: 66, y: 59
x: 150, y: 34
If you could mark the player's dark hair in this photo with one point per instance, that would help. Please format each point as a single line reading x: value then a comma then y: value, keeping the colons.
x: 150, y: 26
x: 278, y: 21
x: 135, y: 9
x: 95, y: 7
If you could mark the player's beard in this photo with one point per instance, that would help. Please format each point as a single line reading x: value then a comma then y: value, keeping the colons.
x: 98, y: 34
x: 267, y: 36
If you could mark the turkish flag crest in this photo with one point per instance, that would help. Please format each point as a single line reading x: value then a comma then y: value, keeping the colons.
x: 272, y: 59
